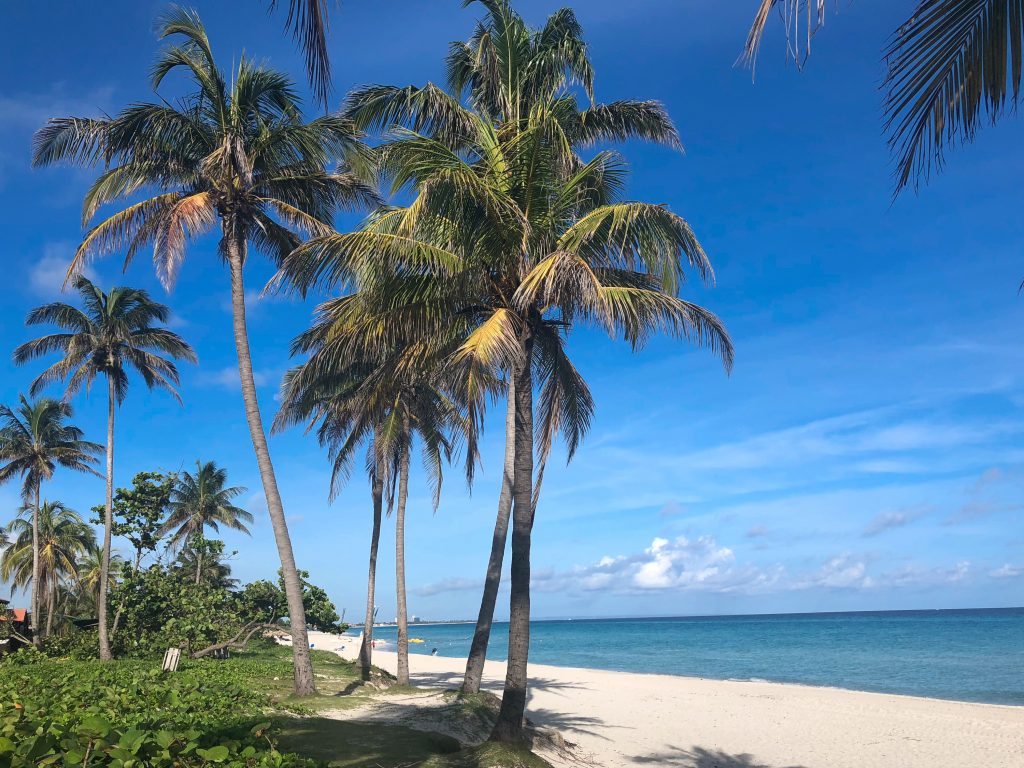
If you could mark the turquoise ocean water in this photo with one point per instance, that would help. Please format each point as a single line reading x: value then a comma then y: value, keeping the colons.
x: 970, y: 655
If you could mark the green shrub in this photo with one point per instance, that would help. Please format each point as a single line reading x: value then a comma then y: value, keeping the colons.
x: 79, y: 644
x: 128, y: 714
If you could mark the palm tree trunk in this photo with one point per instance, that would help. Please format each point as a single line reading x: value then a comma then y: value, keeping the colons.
x: 108, y: 522
x: 509, y: 725
x: 366, y: 647
x: 34, y: 625
x: 492, y: 581
x: 303, y: 664
x: 51, y: 601
x: 199, y: 566
x: 403, y: 614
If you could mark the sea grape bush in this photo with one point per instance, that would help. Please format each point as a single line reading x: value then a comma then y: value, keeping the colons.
x: 130, y: 715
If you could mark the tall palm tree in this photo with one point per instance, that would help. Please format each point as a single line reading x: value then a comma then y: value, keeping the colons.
x: 513, y: 239
x: 236, y: 152
x: 36, y: 438
x: 386, y: 401
x: 952, y: 65
x: 63, y: 540
x: 116, y: 333
x: 201, y: 501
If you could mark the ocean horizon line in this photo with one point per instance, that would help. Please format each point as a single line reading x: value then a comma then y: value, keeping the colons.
x: 676, y: 617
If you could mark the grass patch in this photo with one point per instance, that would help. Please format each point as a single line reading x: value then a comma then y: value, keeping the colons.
x: 489, y: 755
x: 353, y: 744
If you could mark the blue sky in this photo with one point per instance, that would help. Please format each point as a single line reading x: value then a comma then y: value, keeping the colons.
x: 866, y: 451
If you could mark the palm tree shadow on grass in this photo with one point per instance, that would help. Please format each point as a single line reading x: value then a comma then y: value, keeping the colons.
x: 698, y: 757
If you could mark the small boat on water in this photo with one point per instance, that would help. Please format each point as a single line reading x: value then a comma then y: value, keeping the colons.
x: 416, y: 640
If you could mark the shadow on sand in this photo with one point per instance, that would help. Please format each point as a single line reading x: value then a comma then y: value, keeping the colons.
x: 698, y: 757
x: 449, y: 680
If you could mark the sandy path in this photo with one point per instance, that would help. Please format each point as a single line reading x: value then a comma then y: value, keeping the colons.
x: 621, y: 719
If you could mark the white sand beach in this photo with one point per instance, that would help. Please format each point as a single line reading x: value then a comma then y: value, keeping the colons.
x: 620, y: 719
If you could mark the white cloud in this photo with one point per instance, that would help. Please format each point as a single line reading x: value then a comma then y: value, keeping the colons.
x: 48, y: 273
x: 1008, y: 571
x: 697, y: 564
x: 840, y: 572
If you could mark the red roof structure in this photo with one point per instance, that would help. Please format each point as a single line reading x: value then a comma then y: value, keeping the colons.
x: 20, y: 615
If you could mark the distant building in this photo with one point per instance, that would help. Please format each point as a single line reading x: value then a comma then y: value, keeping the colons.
x: 416, y: 619
x: 19, y: 623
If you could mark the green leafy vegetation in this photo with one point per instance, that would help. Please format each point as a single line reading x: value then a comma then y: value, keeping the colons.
x: 232, y: 713
x: 64, y: 713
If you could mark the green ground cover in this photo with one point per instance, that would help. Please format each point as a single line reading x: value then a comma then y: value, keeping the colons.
x: 236, y: 713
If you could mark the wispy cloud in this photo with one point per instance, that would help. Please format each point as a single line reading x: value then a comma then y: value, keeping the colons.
x: 48, y: 272
x: 448, y: 585
x: 228, y: 378
x: 984, y: 497
x: 886, y: 521
x: 29, y: 111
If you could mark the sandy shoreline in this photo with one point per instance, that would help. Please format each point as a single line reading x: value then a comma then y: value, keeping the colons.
x: 623, y: 718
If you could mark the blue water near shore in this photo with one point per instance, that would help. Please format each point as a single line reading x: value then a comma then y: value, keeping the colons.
x: 969, y: 655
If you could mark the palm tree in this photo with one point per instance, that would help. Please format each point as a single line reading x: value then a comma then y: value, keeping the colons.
x: 512, y: 240
x: 388, y: 402
x: 114, y: 334
x: 35, y: 439
x: 63, y: 540
x: 235, y: 153
x: 952, y: 65
x: 84, y: 594
x: 201, y: 501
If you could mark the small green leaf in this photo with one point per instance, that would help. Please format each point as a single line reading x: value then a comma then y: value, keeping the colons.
x: 217, y: 754
x: 95, y: 727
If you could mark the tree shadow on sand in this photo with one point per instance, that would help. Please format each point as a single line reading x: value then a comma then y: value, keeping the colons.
x: 448, y: 680
x: 568, y: 724
x: 698, y: 757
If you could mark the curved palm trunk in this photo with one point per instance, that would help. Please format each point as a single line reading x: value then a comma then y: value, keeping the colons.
x: 34, y: 625
x: 403, y: 614
x: 303, y: 665
x: 199, y: 566
x: 509, y: 725
x: 366, y: 647
x: 108, y: 522
x: 492, y: 581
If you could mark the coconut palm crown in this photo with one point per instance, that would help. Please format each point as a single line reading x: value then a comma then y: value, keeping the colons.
x: 204, y: 500
x: 115, y: 333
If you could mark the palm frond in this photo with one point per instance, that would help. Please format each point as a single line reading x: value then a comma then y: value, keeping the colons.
x: 951, y: 64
